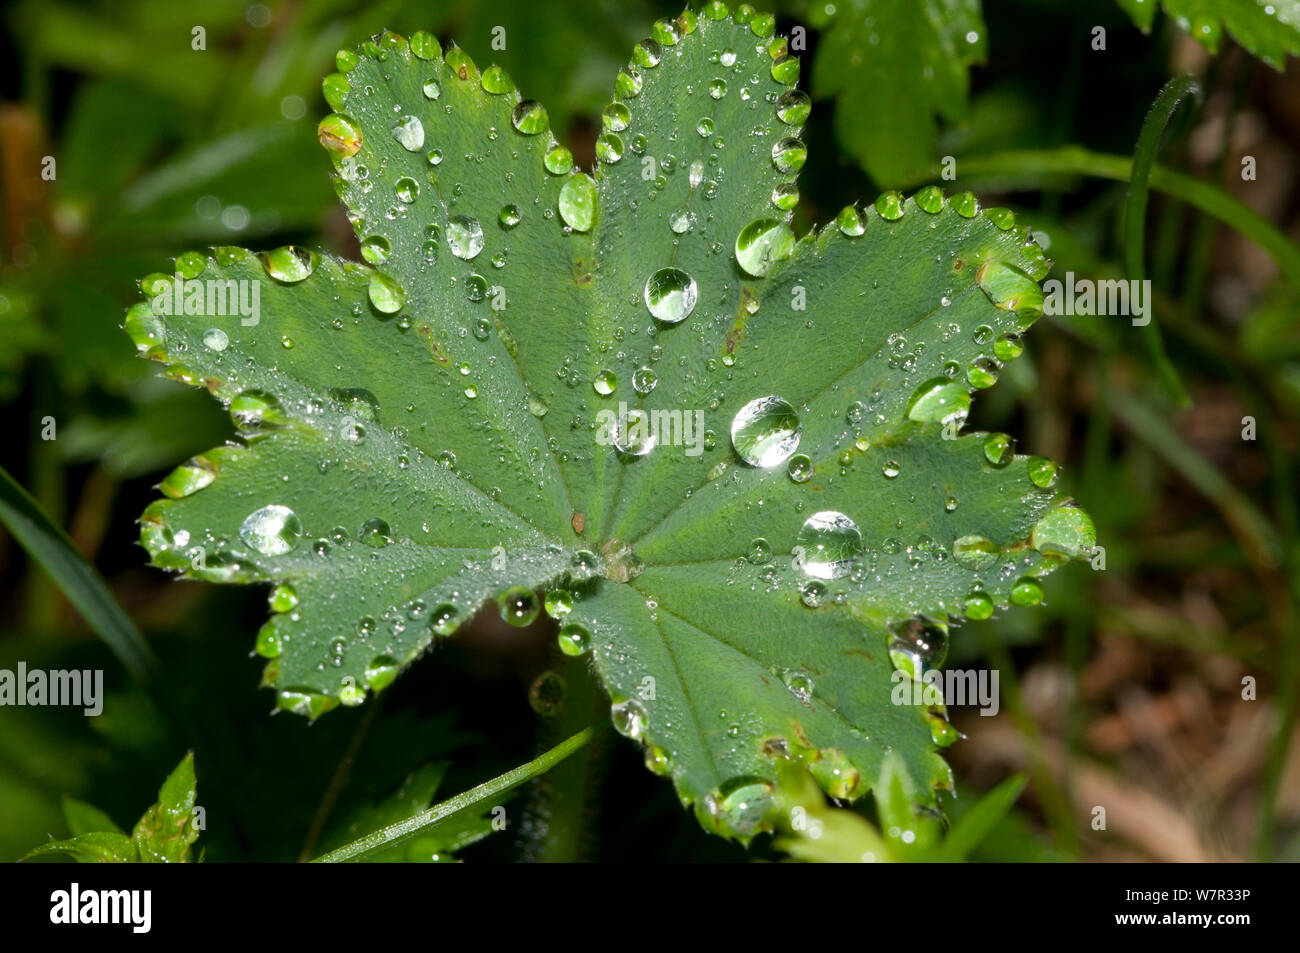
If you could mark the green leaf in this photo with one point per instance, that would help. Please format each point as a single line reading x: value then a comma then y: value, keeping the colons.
x: 97, y: 847
x: 85, y: 818
x: 970, y: 830
x: 165, y: 832
x: 893, y: 65
x: 1270, y: 29
x: 162, y: 835
x: 441, y: 428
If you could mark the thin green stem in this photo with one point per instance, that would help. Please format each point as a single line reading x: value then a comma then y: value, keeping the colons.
x: 403, y: 831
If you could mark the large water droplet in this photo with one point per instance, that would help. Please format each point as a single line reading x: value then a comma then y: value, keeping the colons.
x: 670, y: 294
x: 273, y: 530
x: 940, y: 401
x: 831, y: 543
x: 918, y: 645
x: 409, y: 131
x: 578, y: 202
x: 766, y: 431
x: 464, y: 236
x: 529, y: 117
x: 519, y: 606
x: 761, y: 244
x: 975, y: 552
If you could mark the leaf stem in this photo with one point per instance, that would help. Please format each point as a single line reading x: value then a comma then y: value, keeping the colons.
x: 413, y: 826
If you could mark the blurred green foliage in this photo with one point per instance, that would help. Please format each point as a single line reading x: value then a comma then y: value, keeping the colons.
x: 160, y: 147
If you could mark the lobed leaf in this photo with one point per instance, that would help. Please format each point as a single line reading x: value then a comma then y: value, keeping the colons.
x: 729, y: 460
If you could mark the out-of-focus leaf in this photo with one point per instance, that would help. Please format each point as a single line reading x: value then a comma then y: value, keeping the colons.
x: 85, y: 818
x: 892, y: 66
x: 1270, y: 29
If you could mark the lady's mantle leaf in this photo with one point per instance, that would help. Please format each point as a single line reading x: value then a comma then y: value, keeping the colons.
x: 717, y: 451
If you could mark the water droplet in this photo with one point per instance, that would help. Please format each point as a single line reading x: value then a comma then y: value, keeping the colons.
x: 443, y: 619
x: 760, y: 552
x: 510, y: 216
x: 432, y: 89
x: 558, y: 161
x: 647, y: 54
x: 1027, y: 592
x: 375, y: 532
x: 376, y: 249
x: 409, y: 132
x: 670, y: 295
x: 629, y: 718
x: 941, y: 401
x: 800, y: 468
x: 289, y: 264
x: 975, y: 552
x: 519, y: 606
x: 1065, y: 531
x: 765, y: 432
x: 644, y: 380
x: 929, y: 199
x: 616, y: 117
x: 425, y: 45
x: 918, y: 645
x: 633, y: 435
x: 889, y: 206
x: 965, y: 204
x: 215, y: 339
x: 574, y: 639
x: 529, y: 117
x: 999, y: 449
x: 381, y: 672
x: 605, y: 382
x: 831, y: 542
x: 800, y: 684
x: 339, y: 135
x: 558, y: 603
x: 609, y: 148
x: 1042, y: 472
x: 891, y: 469
x: 406, y: 189
x: 978, y: 605
x: 386, y: 294
x: 718, y: 88
x: 789, y: 155
x: 496, y: 81
x: 794, y: 107
x: 742, y: 805
x: 851, y: 222
x: 273, y: 530
x: 464, y: 237
x: 577, y: 202
x: 762, y: 243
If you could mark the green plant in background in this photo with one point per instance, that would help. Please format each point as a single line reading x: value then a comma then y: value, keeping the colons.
x: 163, y: 835
x: 480, y: 415
x: 459, y: 421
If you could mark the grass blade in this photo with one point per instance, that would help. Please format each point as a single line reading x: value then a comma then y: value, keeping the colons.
x: 79, y: 581
x: 413, y: 826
